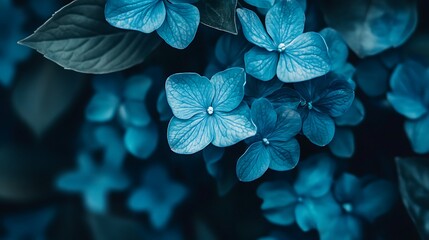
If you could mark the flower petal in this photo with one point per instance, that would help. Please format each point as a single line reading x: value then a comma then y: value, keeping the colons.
x: 284, y: 155
x: 253, y: 29
x: 264, y: 117
x: 253, y: 163
x: 141, y: 142
x: 338, y: 50
x: 376, y: 199
x: 141, y: 15
x: 180, y: 25
x: 102, y: 107
x: 232, y: 127
x: 279, y: 202
x: 288, y: 125
x: 261, y: 63
x: 343, y: 143
x: 137, y: 87
x: 347, y: 187
x: 418, y: 133
x: 353, y: 116
x: 285, y: 22
x: 134, y: 113
x: 319, y: 128
x: 191, y: 135
x: 306, y: 57
x: 188, y: 94
x: 336, y: 99
x: 229, y: 89
x: 315, y: 176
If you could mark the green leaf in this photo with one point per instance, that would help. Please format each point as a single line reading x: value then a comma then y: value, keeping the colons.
x: 414, y: 188
x: 218, y: 14
x: 371, y: 26
x: 78, y: 37
x: 44, y: 93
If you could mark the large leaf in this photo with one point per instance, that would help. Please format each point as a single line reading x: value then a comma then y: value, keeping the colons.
x: 218, y: 14
x: 78, y: 37
x: 44, y: 93
x: 372, y: 26
x: 414, y: 188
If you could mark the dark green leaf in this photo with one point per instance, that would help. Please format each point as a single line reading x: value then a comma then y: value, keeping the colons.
x: 371, y: 26
x: 219, y: 14
x: 78, y: 37
x: 414, y: 188
x: 44, y: 93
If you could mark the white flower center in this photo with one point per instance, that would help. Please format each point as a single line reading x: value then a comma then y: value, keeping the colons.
x: 348, y: 207
x: 210, y: 110
x: 281, y: 47
x: 265, y: 141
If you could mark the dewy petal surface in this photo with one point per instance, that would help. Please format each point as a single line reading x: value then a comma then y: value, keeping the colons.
x: 188, y: 94
x: 229, y: 89
x: 261, y: 64
x: 232, y: 127
x: 306, y: 57
x: 191, y: 135
x: 253, y: 29
x: 141, y: 15
x: 285, y: 22
x: 180, y: 25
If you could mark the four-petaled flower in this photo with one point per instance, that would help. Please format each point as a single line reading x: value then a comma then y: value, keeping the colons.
x: 410, y: 97
x: 207, y: 111
x: 158, y: 196
x: 176, y: 21
x: 93, y: 181
x: 318, y: 101
x: 284, y: 204
x: 295, y: 56
x: 273, y: 146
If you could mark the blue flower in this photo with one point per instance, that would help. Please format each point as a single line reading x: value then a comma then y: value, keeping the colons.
x: 30, y: 225
x: 125, y: 99
x: 158, y: 196
x: 163, y: 108
x: 284, y: 204
x: 357, y: 201
x: 286, y: 51
x: 11, y: 22
x: 410, y: 97
x: 274, y: 145
x: 94, y: 181
x: 229, y: 52
x: 338, y: 50
x: 255, y: 88
x: 319, y: 101
x: 175, y: 21
x: 207, y: 111
x: 115, y: 96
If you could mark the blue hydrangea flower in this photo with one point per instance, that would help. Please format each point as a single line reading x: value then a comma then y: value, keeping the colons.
x: 338, y: 49
x: 229, y: 52
x: 123, y: 99
x: 357, y: 201
x: 30, y: 225
x: 274, y: 145
x: 284, y: 204
x: 343, y: 143
x: 255, y: 88
x: 175, y: 21
x: 94, y: 181
x: 318, y: 101
x: 207, y: 111
x: 11, y: 22
x: 283, y: 48
x: 158, y: 196
x: 410, y: 97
